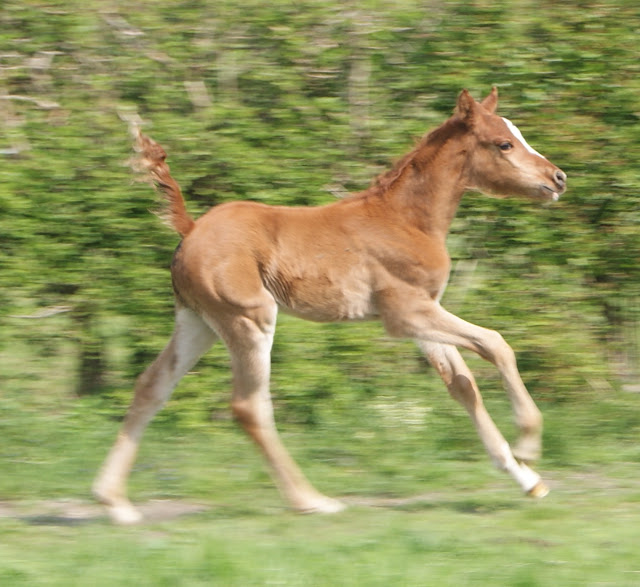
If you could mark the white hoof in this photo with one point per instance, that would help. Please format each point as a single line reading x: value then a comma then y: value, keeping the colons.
x: 322, y: 505
x: 538, y: 491
x: 124, y: 514
x: 120, y: 509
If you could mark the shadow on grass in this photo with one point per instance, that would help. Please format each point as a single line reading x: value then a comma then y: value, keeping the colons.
x: 433, y: 501
x: 52, y: 520
x: 72, y: 513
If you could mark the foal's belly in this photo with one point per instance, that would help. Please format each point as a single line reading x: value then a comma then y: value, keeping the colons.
x: 324, y: 298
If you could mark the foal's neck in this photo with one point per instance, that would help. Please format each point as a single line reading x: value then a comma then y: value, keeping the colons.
x: 428, y: 191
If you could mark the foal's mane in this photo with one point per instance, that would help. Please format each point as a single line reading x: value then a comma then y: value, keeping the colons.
x: 423, y: 152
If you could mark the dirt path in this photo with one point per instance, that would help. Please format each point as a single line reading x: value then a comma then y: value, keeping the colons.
x: 70, y: 512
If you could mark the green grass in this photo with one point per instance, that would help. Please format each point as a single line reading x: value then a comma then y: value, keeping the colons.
x: 426, y: 507
x: 585, y: 534
x: 437, y: 514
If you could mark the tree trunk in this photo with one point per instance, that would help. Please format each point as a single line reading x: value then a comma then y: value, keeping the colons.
x: 90, y: 375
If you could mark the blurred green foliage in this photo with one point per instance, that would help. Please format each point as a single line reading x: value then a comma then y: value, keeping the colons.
x: 286, y: 103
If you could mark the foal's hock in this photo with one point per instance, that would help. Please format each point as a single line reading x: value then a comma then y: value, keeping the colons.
x: 377, y: 254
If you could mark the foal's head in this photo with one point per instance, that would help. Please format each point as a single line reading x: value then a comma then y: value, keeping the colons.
x: 500, y: 162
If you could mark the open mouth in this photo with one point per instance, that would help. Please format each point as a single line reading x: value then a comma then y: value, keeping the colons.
x: 550, y: 192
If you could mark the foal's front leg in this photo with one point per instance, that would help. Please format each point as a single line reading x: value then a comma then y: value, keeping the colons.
x: 463, y: 388
x: 491, y: 346
x: 412, y: 315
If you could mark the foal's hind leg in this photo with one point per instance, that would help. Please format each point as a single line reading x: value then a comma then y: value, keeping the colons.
x: 463, y: 388
x: 249, y: 340
x: 191, y: 338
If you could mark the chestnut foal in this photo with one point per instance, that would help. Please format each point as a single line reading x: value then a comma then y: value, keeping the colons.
x: 377, y: 254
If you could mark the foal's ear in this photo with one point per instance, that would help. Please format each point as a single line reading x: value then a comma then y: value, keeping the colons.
x: 466, y: 107
x: 490, y: 103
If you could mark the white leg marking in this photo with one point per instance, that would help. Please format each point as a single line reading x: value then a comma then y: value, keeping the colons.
x: 523, y: 475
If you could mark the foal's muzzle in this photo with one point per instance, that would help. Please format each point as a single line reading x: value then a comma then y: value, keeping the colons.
x: 560, y: 179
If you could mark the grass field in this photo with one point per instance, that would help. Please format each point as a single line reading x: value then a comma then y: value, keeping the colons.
x: 287, y: 103
x: 586, y: 534
x: 426, y: 508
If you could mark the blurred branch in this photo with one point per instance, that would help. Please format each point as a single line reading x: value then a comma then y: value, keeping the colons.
x: 123, y: 27
x: 44, y: 104
x: 46, y: 312
x: 133, y: 34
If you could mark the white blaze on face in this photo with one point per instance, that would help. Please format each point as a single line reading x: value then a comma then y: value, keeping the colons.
x: 516, y: 133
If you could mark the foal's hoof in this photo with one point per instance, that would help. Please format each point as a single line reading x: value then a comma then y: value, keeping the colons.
x: 539, y: 490
x: 124, y: 514
x: 120, y: 509
x: 322, y: 505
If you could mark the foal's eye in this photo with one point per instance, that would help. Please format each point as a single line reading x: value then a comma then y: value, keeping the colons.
x: 506, y: 146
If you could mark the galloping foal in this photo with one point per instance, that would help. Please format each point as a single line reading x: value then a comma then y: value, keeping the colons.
x: 379, y: 253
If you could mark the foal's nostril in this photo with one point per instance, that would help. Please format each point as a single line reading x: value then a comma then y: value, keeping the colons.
x: 560, y: 178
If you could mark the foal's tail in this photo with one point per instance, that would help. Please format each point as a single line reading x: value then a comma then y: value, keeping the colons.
x: 151, y: 160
